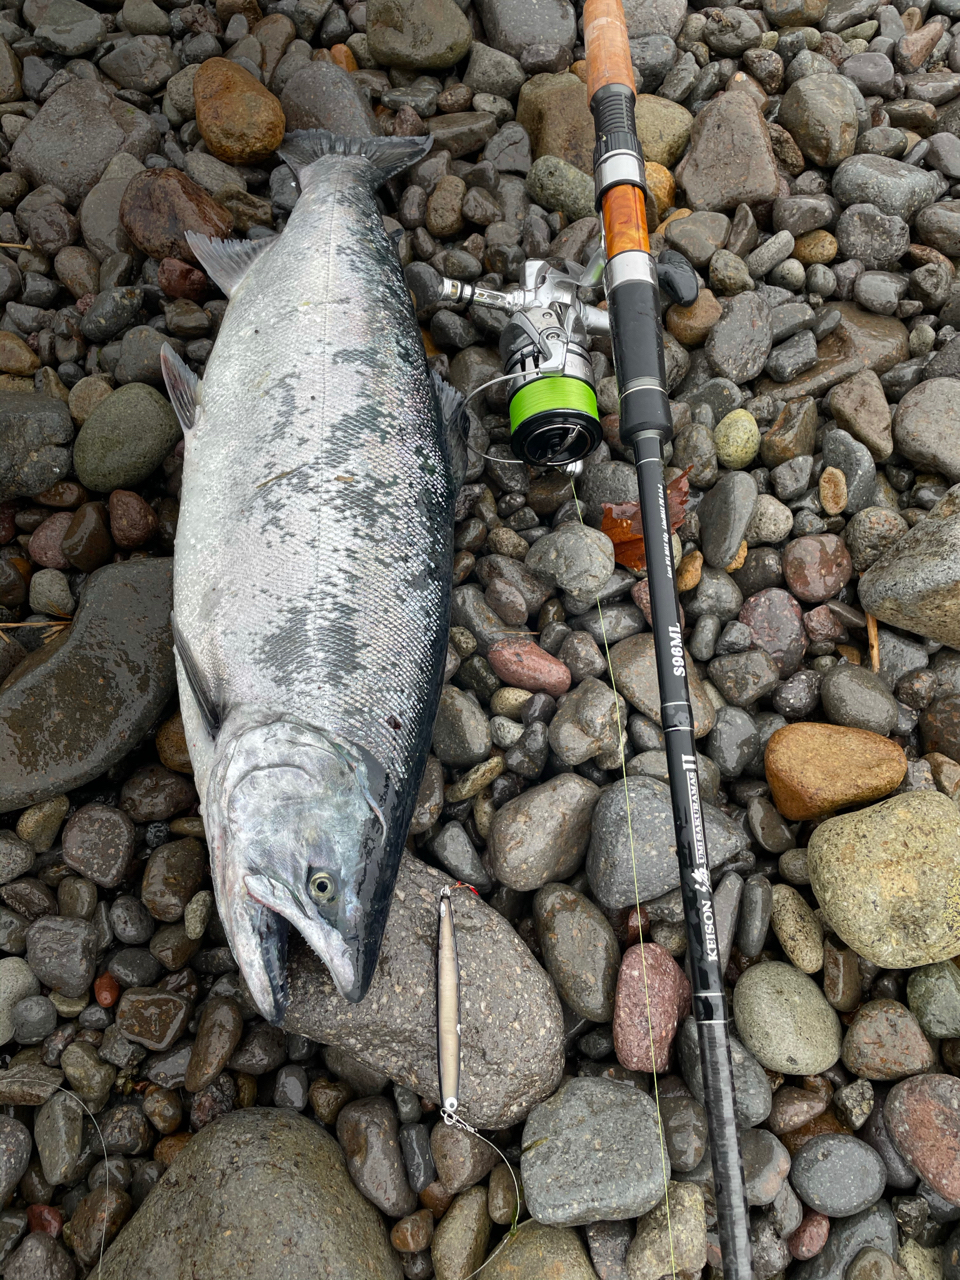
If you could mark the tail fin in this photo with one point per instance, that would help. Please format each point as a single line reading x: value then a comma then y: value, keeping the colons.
x: 388, y: 156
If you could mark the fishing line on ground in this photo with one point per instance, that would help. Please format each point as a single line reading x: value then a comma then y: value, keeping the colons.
x: 636, y: 889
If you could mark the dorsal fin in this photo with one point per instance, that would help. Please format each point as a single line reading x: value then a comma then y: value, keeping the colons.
x: 210, y: 712
x: 183, y: 386
x: 226, y: 262
x: 453, y: 411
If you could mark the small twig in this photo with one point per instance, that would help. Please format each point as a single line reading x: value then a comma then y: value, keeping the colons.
x: 873, y: 641
x: 54, y: 626
x: 16, y: 246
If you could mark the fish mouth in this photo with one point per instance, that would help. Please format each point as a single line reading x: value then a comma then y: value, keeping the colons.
x: 349, y: 953
x: 272, y: 932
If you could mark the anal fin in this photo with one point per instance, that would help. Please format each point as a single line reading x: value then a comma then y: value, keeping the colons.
x: 183, y: 386
x: 226, y: 262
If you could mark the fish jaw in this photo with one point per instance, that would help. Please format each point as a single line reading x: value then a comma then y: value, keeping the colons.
x: 287, y: 807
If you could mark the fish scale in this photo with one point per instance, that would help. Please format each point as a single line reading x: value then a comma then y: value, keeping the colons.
x: 313, y: 570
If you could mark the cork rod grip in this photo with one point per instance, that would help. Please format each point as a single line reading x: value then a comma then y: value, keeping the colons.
x: 608, y: 49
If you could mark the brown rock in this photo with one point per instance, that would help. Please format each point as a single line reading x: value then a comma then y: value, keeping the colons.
x: 328, y: 1098
x: 96, y: 1220
x: 841, y: 976
x: 815, y: 246
x: 462, y: 1158
x: 859, y: 405
x: 793, y: 435
x: 163, y: 1108
x: 553, y: 110
x: 795, y: 1139
x: 173, y: 874
x: 861, y: 340
x: 816, y: 567
x: 884, y: 1042
x: 815, y: 769
x: 239, y: 119
x: 792, y: 1108
x: 221, y: 1027
x: 15, y: 356
x: 810, y: 1237
x: 940, y: 727
x: 276, y: 33
x: 923, y: 1118
x: 180, y: 280
x: 45, y: 542
x: 132, y: 520
x: 87, y: 543
x: 444, y: 216
x: 171, y: 745
x: 152, y: 1017
x: 653, y: 997
x: 160, y: 206
x: 833, y: 490
x: 413, y: 1233
x: 249, y: 8
x: 730, y: 160
x: 690, y: 325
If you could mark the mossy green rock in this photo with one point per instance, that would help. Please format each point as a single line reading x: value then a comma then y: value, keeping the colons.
x: 537, y: 1252
x: 126, y: 438
x: 933, y: 993
x: 663, y: 128
x: 784, y: 1019
x: 737, y: 438
x: 887, y: 879
x: 554, y: 184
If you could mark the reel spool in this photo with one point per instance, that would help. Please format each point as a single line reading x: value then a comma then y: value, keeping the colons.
x: 553, y: 402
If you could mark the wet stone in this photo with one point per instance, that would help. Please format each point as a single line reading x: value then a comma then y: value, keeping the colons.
x: 921, y: 1115
x: 173, y: 874
x: 884, y: 1042
x: 571, y: 1169
x: 98, y: 842
x: 766, y: 1164
x: 838, y: 1175
x: 218, y: 1035
x: 580, y: 951
x: 417, y: 1156
x: 653, y: 997
x: 685, y: 1132
x: 151, y: 1017
x: 460, y: 1158
x: 368, y: 1132
x: 62, y: 953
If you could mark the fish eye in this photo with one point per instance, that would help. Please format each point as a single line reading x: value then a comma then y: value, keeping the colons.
x: 322, y: 886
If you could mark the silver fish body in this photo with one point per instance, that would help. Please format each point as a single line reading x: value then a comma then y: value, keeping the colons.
x: 312, y: 575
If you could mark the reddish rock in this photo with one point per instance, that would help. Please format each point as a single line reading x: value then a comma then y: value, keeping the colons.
x: 413, y: 1233
x: 45, y: 1217
x: 179, y: 280
x: 107, y: 990
x: 167, y: 1149
x: 524, y: 665
x: 922, y: 1115
x: 822, y: 624
x: 817, y: 567
x: 810, y: 1237
x: 239, y: 118
x: 884, y: 1042
x: 828, y: 1122
x: 653, y: 996
x: 46, y: 542
x: 160, y: 206
x: 776, y: 625
x: 132, y: 520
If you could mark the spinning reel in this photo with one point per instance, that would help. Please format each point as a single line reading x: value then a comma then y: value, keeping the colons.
x: 554, y: 420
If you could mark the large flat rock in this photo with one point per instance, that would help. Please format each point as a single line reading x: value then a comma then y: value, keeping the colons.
x: 512, y: 1025
x: 81, y: 703
x: 261, y: 1194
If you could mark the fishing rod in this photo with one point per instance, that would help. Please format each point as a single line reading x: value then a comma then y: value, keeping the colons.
x: 554, y: 422
x: 633, y: 305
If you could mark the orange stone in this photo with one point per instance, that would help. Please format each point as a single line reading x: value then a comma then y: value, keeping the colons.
x: 690, y: 325
x: 828, y: 1122
x: 343, y: 57
x: 815, y: 769
x: 580, y: 69
x: 107, y: 990
x: 689, y: 571
x: 171, y: 743
x: 167, y: 1149
x: 524, y: 665
x: 240, y: 121
x: 661, y: 185
x: 738, y: 559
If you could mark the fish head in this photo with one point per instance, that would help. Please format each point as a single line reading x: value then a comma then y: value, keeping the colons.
x: 297, y: 820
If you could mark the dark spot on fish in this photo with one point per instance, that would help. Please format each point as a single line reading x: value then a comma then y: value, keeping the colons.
x: 394, y: 723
